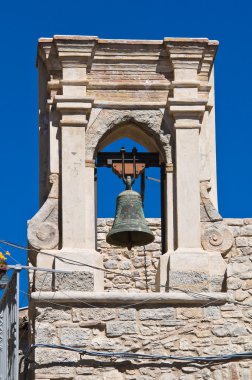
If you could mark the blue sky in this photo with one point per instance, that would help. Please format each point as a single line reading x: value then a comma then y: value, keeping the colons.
x: 22, y: 23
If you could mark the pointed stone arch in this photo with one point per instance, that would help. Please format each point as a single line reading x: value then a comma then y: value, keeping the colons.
x: 149, y: 128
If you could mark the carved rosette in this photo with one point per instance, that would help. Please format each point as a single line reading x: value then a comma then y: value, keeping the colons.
x: 217, y: 239
x: 43, y: 232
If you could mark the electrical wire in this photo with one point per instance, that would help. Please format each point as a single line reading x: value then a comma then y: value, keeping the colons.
x: 69, y: 261
x: 133, y: 355
x: 194, y: 294
x: 214, y: 358
x: 74, y: 262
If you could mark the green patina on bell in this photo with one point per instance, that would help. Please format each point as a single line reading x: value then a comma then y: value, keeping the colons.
x: 130, y: 227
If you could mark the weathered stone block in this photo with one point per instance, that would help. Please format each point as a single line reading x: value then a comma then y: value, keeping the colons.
x: 141, y: 262
x: 247, y: 285
x: 241, y: 242
x: 234, y: 221
x: 127, y: 314
x: 141, y: 285
x: 82, y: 281
x: 236, y: 231
x: 172, y: 323
x: 53, y: 314
x: 190, y: 313
x: 241, y: 295
x: 43, y: 281
x: 229, y: 330
x: 46, y: 333
x: 233, y: 283
x: 120, y: 328
x: 154, y: 314
x: 75, y: 336
x: 189, y: 271
x: 125, y: 265
x: 184, y: 344
x: 151, y: 330
x: 99, y: 314
x: 246, y: 230
x: 111, y: 264
x: 231, y: 314
x: 103, y: 343
x: 193, y: 281
x: 212, y: 312
x: 45, y: 356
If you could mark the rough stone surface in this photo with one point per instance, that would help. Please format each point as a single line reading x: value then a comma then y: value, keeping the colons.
x: 136, y: 264
x: 78, y: 281
x: 156, y: 329
x: 160, y: 94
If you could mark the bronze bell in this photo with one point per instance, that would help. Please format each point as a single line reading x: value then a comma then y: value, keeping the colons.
x: 130, y: 227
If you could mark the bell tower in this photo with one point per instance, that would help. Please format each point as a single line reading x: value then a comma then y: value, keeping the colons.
x: 89, y: 95
x: 94, y: 91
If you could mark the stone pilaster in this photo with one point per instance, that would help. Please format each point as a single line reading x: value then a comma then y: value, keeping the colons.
x: 77, y: 178
x: 74, y: 106
x: 188, y: 109
x: 189, y: 267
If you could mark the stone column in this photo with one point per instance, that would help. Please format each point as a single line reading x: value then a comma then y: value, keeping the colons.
x: 187, y: 109
x: 77, y: 174
x: 74, y: 107
x: 189, y: 265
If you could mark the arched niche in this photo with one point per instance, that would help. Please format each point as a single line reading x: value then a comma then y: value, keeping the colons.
x: 133, y: 132
x: 148, y: 128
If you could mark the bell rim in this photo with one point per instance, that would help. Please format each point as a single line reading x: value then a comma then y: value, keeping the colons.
x: 112, y: 241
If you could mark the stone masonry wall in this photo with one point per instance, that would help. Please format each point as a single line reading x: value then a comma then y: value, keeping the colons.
x: 140, y: 263
x: 152, y: 329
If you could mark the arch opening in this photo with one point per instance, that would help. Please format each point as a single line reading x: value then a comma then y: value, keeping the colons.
x: 129, y: 131
x: 109, y: 185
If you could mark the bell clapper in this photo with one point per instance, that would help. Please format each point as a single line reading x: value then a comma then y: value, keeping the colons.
x: 129, y: 245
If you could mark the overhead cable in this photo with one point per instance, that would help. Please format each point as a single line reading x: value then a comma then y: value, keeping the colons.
x: 133, y: 355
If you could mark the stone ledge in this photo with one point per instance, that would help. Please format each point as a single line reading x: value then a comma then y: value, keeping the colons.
x: 172, y: 298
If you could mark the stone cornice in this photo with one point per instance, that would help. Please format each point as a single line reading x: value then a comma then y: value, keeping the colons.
x: 192, y: 56
x: 81, y: 48
x: 171, y: 298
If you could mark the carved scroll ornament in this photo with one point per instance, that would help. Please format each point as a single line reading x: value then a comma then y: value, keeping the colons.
x: 43, y: 232
x: 215, y: 235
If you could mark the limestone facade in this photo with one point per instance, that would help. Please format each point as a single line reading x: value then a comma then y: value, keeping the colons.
x: 186, y: 294
x: 183, y: 328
